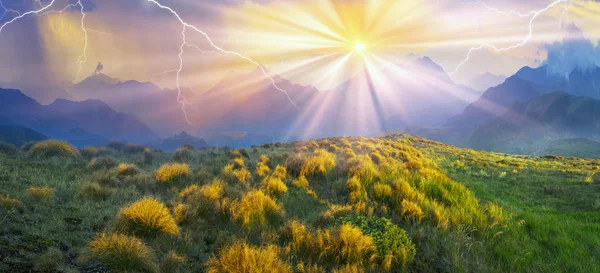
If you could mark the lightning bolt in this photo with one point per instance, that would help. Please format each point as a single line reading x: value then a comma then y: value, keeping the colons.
x: 218, y: 48
x: 21, y: 15
x: 532, y: 15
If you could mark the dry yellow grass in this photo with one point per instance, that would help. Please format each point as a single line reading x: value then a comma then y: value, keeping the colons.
x: 273, y: 186
x: 256, y: 209
x: 123, y: 253
x: 8, y: 202
x: 170, y: 172
x: 127, y: 169
x: 42, y: 193
x: 241, y: 257
x: 147, y: 217
x: 412, y: 210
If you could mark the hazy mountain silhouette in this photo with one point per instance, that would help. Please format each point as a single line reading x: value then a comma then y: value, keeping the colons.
x: 553, y: 116
x: 18, y: 135
x: 156, y: 107
x: 58, y: 119
x: 173, y: 143
x: 526, y: 84
x: 486, y: 80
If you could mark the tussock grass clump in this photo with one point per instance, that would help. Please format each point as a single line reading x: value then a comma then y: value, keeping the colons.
x: 123, y: 253
x: 8, y: 149
x: 273, y: 186
x: 42, y: 193
x: 116, y: 145
x: 8, y: 202
x: 256, y: 209
x: 236, y: 171
x: 173, y: 262
x: 356, y: 191
x: 242, y: 257
x: 183, y: 154
x: 347, y: 245
x: 322, y: 162
x: 147, y: 217
x: 383, y: 193
x: 94, y: 191
x: 208, y: 200
x: 27, y: 146
x: 349, y: 268
x: 170, y: 172
x: 89, y: 152
x: 53, y: 148
x: 134, y: 148
x: 103, y: 162
x: 128, y: 169
x: 412, y: 211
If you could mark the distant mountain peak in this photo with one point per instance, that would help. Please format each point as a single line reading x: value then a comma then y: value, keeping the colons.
x: 99, y: 78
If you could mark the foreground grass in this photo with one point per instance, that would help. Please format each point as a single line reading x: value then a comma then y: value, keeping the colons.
x: 396, y: 204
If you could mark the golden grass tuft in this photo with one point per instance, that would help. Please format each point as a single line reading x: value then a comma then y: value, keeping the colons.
x: 256, y: 209
x: 280, y: 172
x: 412, y: 211
x: 42, y: 193
x: 8, y: 202
x: 349, y: 269
x: 123, y: 253
x: 322, y: 162
x: 94, y: 191
x: 147, y: 217
x: 356, y: 191
x: 53, y: 148
x: 382, y: 193
x: 127, y: 169
x: 242, y: 257
x: 171, y: 172
x: 202, y: 201
x: 273, y: 186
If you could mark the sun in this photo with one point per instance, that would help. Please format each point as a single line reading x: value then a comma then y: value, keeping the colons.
x: 359, y: 46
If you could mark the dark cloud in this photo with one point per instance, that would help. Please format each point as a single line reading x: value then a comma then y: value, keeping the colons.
x: 574, y: 52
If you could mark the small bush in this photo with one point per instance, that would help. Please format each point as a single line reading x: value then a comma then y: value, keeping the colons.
x: 382, y: 193
x: 322, y: 162
x: 172, y: 172
x: 53, y: 148
x: 127, y: 169
x: 42, y: 193
x: 105, y: 178
x: 133, y: 148
x: 103, y: 162
x: 280, y: 172
x: 349, y: 269
x: 348, y: 245
x: 8, y: 149
x: 173, y: 262
x: 393, y: 244
x: 8, y: 202
x: 202, y: 201
x: 123, y: 253
x: 94, y: 191
x: 148, y: 156
x: 147, y: 217
x: 183, y: 155
x: 241, y: 257
x: 116, y: 145
x: 256, y: 209
x: 89, y: 152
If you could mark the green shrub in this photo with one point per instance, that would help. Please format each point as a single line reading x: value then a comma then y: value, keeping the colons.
x: 123, y: 253
x: 116, y: 145
x: 393, y: 244
x: 27, y: 146
x: 53, y: 148
x: 133, y: 148
x: 183, y: 155
x: 94, y: 191
x: 103, y: 162
x: 128, y: 169
x: 8, y: 149
x: 89, y: 152
x: 244, y: 153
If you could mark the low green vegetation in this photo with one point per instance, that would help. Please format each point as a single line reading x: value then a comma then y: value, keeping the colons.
x: 394, y: 204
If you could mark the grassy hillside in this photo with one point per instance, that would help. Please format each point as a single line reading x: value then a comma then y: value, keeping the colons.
x: 394, y: 204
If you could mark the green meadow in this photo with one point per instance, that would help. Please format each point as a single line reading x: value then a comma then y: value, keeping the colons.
x: 391, y: 204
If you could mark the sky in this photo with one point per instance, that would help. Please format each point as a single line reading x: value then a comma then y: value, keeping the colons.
x: 310, y: 42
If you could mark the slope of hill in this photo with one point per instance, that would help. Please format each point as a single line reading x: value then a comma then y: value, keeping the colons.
x: 18, y: 135
x: 58, y: 119
x: 485, y: 81
x: 393, y: 204
x: 553, y: 116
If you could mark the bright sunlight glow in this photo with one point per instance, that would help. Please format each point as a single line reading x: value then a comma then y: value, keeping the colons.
x: 359, y: 46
